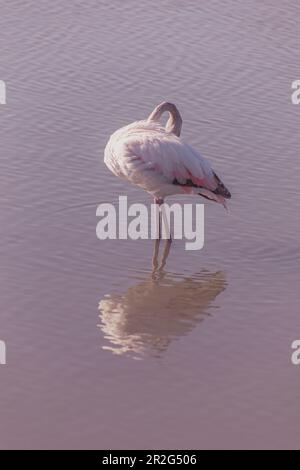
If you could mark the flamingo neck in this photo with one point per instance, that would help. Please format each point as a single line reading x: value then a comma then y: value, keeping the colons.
x: 174, y: 122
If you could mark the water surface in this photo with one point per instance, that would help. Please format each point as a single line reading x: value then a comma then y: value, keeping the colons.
x: 101, y: 353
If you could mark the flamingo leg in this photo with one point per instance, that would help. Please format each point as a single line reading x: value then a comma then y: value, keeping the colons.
x: 157, y: 240
x: 161, y: 220
x: 159, y: 201
x: 155, y: 254
x: 165, y: 253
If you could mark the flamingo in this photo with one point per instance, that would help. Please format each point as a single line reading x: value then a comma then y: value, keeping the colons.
x: 159, y: 161
x: 156, y: 159
x: 181, y: 303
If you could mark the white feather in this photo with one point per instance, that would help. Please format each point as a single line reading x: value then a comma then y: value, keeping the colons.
x: 149, y: 156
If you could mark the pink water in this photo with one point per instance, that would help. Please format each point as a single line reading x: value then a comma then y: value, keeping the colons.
x: 99, y: 353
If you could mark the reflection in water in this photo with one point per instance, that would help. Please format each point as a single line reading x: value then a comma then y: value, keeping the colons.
x: 150, y: 314
x: 166, y: 251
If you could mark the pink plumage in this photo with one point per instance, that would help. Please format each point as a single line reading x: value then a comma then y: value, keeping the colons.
x: 159, y: 161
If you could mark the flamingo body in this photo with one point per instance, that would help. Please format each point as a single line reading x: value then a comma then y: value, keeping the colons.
x: 159, y: 161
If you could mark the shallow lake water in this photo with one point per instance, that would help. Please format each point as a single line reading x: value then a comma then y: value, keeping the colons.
x: 101, y: 353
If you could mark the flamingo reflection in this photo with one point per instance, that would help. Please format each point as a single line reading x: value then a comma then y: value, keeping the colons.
x: 148, y: 316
